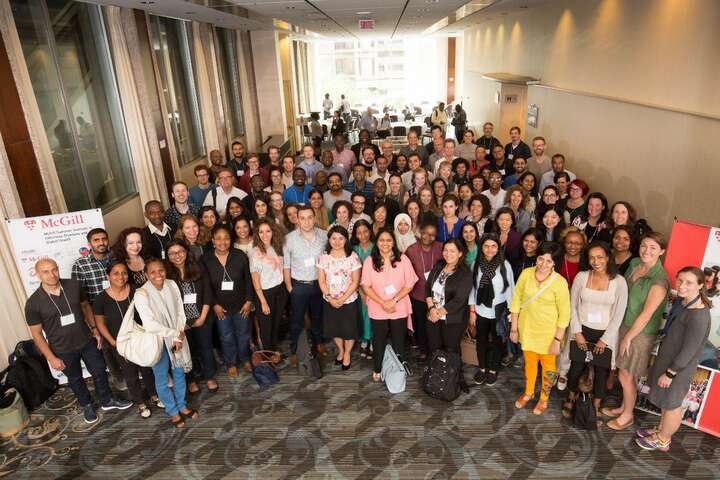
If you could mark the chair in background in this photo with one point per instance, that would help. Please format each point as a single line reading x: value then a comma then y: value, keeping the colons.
x: 399, y: 131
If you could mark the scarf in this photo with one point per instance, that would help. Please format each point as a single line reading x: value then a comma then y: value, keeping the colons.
x: 404, y: 241
x: 485, y: 291
x: 168, y: 310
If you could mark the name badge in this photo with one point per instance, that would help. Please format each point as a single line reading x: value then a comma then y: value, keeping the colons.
x: 427, y: 274
x: 162, y: 254
x: 487, y: 151
x: 240, y: 173
x: 66, y: 320
x: 309, y: 262
x: 227, y: 285
x: 594, y: 317
x: 390, y: 290
x: 510, y: 157
x: 105, y: 284
x: 191, y: 298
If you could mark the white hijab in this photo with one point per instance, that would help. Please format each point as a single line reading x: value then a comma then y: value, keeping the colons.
x: 404, y: 241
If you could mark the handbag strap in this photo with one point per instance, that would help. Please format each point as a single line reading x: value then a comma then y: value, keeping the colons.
x: 539, y: 292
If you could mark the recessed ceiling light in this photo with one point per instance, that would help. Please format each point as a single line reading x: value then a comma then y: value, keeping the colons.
x: 432, y: 1
x: 148, y: 2
x: 363, y: 13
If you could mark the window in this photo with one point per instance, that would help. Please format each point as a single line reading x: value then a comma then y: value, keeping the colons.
x: 68, y: 58
x: 225, y: 51
x: 345, y: 66
x: 172, y: 40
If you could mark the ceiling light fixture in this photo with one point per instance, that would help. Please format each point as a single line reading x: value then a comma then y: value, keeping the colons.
x: 148, y: 2
x: 363, y: 13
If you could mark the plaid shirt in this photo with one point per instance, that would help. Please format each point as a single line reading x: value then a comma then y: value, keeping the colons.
x: 91, y: 273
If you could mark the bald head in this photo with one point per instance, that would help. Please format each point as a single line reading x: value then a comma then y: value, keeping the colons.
x: 46, y: 270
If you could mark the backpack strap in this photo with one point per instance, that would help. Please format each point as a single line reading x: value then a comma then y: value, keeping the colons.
x: 539, y: 292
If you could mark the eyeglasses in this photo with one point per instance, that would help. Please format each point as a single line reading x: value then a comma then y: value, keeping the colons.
x: 226, y: 177
x: 176, y: 254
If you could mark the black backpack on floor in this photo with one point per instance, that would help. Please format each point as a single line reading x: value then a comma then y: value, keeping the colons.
x: 443, y: 378
x: 30, y: 375
x: 307, y: 361
x: 584, y: 415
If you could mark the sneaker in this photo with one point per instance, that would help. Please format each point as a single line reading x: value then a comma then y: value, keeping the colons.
x: 89, y: 414
x: 490, y: 378
x: 479, y: 377
x: 370, y: 352
x: 363, y: 350
x: 646, y: 432
x: 561, y: 383
x: 508, y: 360
x: 652, y: 443
x: 160, y: 404
x: 114, y: 404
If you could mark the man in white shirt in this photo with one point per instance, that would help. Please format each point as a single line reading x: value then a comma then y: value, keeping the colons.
x: 447, y: 154
x: 558, y: 166
x: 381, y: 170
x: 495, y: 193
x: 219, y: 197
x: 368, y: 159
x: 345, y: 106
x: 368, y: 121
x: 327, y: 106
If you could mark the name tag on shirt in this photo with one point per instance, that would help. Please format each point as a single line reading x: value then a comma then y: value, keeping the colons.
x: 105, y: 284
x: 162, y: 254
x: 191, y: 298
x: 390, y: 290
x: 594, y: 317
x: 66, y: 320
x: 309, y: 262
x: 227, y: 285
x: 487, y: 151
x: 510, y: 157
x: 240, y: 173
x: 427, y: 274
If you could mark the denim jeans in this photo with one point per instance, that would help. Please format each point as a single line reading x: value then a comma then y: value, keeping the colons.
x: 234, y: 332
x: 303, y: 297
x: 174, y: 399
x: 95, y: 364
x: 200, y: 341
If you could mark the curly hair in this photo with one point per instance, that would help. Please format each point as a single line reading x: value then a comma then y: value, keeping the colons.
x: 203, y: 233
x: 277, y: 240
x: 118, y: 250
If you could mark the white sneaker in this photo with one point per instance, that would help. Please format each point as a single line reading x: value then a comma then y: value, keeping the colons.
x: 561, y: 383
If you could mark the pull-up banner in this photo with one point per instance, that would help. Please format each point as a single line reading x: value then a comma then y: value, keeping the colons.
x: 60, y: 237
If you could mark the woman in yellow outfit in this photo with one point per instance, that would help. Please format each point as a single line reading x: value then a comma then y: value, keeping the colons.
x: 540, y: 313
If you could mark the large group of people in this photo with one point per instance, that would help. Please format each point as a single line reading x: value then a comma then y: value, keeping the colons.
x: 374, y: 246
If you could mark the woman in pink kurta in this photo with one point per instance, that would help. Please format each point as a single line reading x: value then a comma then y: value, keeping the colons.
x: 387, y: 279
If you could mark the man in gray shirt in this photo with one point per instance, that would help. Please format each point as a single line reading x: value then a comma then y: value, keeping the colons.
x: 336, y: 191
x: 303, y: 247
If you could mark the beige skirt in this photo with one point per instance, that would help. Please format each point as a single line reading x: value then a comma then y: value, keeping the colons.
x: 638, y: 360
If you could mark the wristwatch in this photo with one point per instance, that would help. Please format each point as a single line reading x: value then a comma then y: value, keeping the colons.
x: 396, y: 299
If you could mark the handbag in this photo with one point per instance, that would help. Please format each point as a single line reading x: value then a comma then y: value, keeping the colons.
x: 393, y: 372
x: 14, y: 417
x: 136, y: 345
x: 468, y: 350
x: 263, y: 367
x: 602, y: 360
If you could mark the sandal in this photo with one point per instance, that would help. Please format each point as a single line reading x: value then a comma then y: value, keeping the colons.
x: 212, y: 389
x: 178, y: 422
x: 191, y: 414
x: 376, y: 377
x: 144, y: 411
x: 567, y: 409
x: 193, y: 388
x: 608, y: 412
x: 540, y: 407
x: 522, y: 401
x: 615, y: 425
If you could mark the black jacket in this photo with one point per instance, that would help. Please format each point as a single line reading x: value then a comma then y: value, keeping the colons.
x: 238, y: 270
x: 522, y: 150
x: 457, y: 291
x: 155, y: 244
x: 489, y: 144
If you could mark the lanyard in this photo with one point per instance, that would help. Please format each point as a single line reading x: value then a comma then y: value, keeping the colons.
x: 422, y: 258
x: 226, y: 275
x: 675, y: 310
x: 62, y: 291
x: 157, y: 238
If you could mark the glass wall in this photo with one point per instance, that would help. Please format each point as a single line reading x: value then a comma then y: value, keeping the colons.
x: 227, y: 60
x: 68, y: 58
x: 172, y: 40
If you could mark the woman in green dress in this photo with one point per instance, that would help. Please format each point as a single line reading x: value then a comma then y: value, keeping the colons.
x: 470, y: 239
x: 362, y: 241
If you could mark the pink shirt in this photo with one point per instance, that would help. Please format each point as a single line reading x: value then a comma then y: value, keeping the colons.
x: 346, y: 158
x: 387, y: 284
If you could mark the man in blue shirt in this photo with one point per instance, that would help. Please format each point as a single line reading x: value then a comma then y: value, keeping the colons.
x: 199, y: 192
x: 359, y: 184
x: 298, y: 192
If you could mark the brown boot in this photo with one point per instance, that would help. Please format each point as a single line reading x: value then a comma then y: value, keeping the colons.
x: 233, y: 371
x: 293, y: 360
x: 247, y: 367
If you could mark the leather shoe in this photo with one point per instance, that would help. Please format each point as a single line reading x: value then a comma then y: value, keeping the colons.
x: 247, y: 367
x: 293, y: 360
x: 233, y: 371
x: 321, y: 349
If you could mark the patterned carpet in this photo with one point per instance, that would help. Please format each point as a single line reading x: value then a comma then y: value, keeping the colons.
x: 341, y: 427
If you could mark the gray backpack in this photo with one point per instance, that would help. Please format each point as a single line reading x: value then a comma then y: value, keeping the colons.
x: 393, y: 372
x: 307, y: 361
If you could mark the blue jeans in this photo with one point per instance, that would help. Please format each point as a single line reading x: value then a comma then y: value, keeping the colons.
x: 302, y: 297
x: 174, y: 399
x: 234, y: 332
x: 95, y: 364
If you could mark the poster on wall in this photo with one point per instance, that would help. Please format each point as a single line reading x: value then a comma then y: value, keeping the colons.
x: 61, y: 237
x: 699, y: 245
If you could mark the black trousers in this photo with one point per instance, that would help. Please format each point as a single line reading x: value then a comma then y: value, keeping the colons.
x: 95, y: 364
x: 488, y: 344
x: 269, y: 325
x: 419, y: 317
x: 381, y: 327
x: 445, y: 336
x: 577, y: 368
x: 131, y: 373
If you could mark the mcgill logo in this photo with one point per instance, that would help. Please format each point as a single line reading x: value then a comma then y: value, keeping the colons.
x: 30, y: 224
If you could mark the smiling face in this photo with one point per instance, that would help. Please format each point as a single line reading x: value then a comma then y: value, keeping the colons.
x: 208, y: 219
x: 342, y: 215
x: 528, y: 183
x: 449, y: 208
x: 545, y: 264
x: 133, y: 244
x: 598, y: 259
x: 621, y: 241
x: 337, y: 241
x: 276, y: 178
x: 242, y: 230
x: 549, y: 196
x: 380, y: 215
x: 316, y: 200
x: 539, y: 147
x: 490, y: 248
x: 261, y: 208
x: 504, y: 222
x: 413, y: 210
x: 650, y: 251
x: 551, y: 219
x: 495, y: 181
x: 595, y: 208
x: 154, y: 213
x: 451, y: 254
x: 276, y: 201
x: 439, y: 188
x: 118, y: 276
x: 476, y: 209
x: 190, y: 231
x: 385, y: 243
x: 180, y: 193
x: 469, y: 233
x: 299, y: 177
x: 292, y: 215
x: 265, y: 234
x: 403, y: 227
x: 288, y: 164
x: 156, y: 274
x: 688, y: 286
x: 468, y: 137
x: 225, y: 180
x: 362, y: 233
x: 573, y: 244
x: 516, y: 199
x: 530, y: 245
x: 620, y: 214
x: 177, y: 255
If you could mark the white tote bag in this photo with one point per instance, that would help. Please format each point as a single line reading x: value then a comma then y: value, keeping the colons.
x: 136, y: 345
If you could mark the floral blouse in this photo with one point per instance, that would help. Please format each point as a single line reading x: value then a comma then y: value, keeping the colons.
x: 338, y: 274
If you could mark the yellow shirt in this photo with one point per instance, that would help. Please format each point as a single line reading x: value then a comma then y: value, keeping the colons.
x: 544, y: 314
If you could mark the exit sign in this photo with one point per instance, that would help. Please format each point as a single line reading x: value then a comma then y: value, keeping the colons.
x: 366, y: 24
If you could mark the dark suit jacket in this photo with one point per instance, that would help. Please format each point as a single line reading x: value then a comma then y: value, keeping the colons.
x: 457, y: 291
